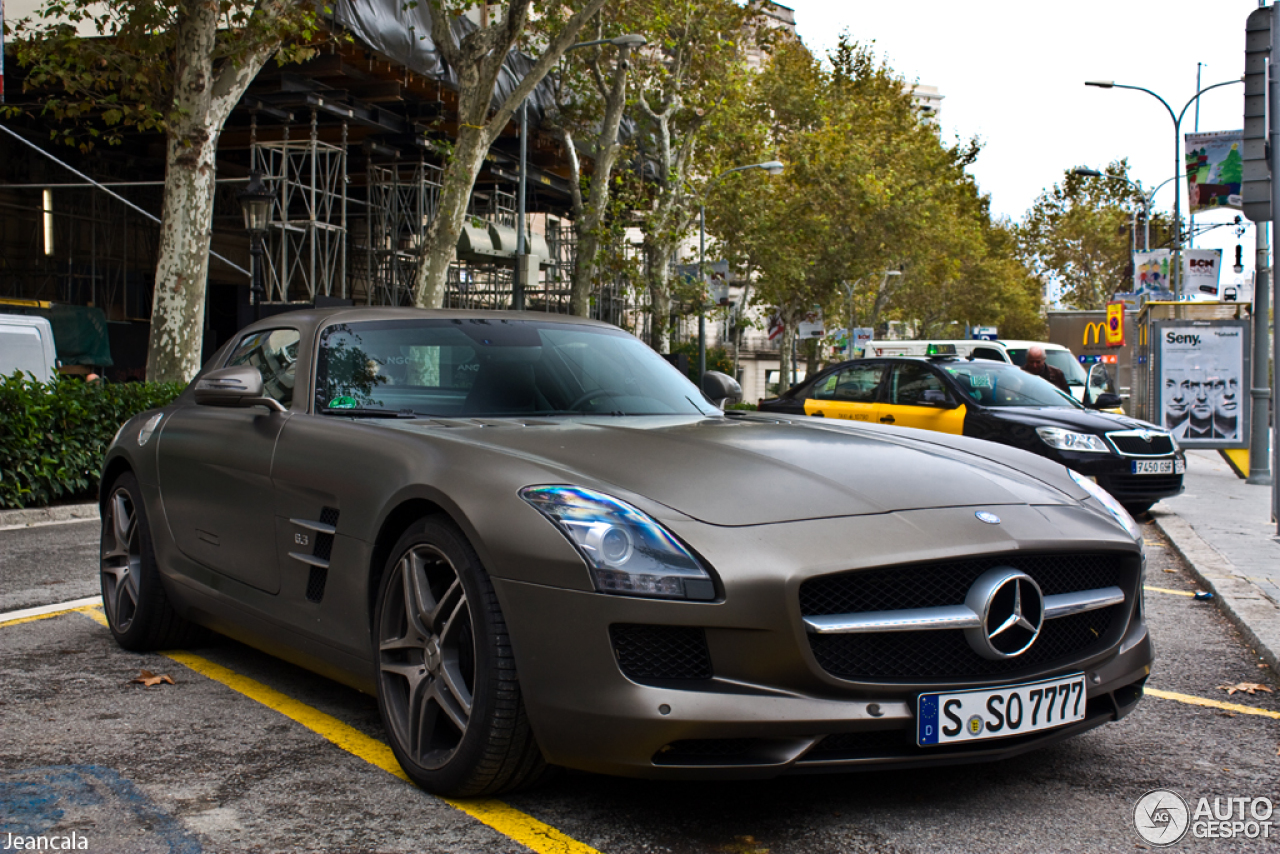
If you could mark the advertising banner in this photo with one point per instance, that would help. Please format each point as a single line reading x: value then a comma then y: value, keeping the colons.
x: 1151, y: 274
x: 811, y: 326
x: 1201, y: 369
x: 1215, y: 169
x: 1115, y: 324
x: 1200, y: 272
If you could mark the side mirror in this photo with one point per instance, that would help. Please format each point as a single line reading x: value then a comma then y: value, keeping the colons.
x: 1106, y: 400
x: 237, y: 387
x: 720, y: 388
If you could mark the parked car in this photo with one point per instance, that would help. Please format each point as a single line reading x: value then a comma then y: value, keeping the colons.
x: 26, y: 346
x: 1137, y: 462
x: 538, y: 544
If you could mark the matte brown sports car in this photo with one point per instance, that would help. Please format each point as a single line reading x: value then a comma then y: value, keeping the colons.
x: 539, y: 545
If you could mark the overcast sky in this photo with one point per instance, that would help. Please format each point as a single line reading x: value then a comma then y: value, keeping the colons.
x: 1012, y: 73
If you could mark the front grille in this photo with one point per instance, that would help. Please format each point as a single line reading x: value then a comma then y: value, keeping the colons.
x: 661, y: 653
x: 1141, y: 485
x: 947, y: 582
x: 704, y: 748
x: 1133, y: 445
x: 946, y: 655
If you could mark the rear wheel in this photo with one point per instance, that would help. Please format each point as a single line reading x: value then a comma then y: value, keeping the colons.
x: 133, y: 597
x: 447, y: 685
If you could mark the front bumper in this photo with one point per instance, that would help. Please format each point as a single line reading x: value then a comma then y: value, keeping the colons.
x: 766, y: 705
x: 1115, y: 475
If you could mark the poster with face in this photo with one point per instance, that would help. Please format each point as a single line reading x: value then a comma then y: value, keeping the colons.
x: 1202, y: 368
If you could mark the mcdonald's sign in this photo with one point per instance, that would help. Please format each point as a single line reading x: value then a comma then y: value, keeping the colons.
x: 1097, y: 329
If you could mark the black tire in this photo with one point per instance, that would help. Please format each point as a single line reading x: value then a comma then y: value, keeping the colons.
x: 446, y: 675
x: 133, y: 597
x: 1137, y: 508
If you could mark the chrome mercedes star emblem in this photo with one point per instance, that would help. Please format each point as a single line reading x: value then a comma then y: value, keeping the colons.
x: 1010, y: 609
x: 989, y: 518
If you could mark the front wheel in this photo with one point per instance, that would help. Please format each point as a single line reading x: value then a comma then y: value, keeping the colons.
x: 133, y: 597
x: 446, y: 676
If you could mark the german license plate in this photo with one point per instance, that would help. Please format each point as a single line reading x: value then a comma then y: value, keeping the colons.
x: 943, y: 718
x: 1152, y: 466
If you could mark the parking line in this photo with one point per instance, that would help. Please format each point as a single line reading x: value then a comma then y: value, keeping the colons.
x: 1150, y: 589
x: 44, y: 612
x: 510, y: 822
x: 1212, y: 704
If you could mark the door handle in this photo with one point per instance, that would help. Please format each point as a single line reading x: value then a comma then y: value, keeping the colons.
x: 888, y: 419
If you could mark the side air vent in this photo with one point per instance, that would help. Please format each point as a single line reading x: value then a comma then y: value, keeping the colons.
x: 321, y: 533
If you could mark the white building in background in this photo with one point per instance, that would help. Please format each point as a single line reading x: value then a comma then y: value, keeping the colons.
x: 928, y: 100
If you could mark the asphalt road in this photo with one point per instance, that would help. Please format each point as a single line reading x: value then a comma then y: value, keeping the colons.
x: 210, y: 764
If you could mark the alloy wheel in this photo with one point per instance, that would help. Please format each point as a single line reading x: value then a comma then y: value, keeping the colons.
x: 121, y: 560
x: 426, y: 656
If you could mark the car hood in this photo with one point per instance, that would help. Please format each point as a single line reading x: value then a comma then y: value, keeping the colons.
x: 1085, y: 421
x: 727, y: 471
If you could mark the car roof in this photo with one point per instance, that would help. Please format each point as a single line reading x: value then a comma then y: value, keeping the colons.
x: 1048, y: 345
x: 313, y: 318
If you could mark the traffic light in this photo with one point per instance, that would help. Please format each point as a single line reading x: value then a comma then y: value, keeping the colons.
x: 1255, y: 190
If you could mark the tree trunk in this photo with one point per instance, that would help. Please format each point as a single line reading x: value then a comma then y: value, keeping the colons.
x: 657, y: 255
x: 177, y: 310
x: 593, y: 213
x: 202, y: 101
x: 432, y: 275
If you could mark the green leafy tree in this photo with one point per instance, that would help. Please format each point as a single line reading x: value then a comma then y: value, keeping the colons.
x: 1079, y: 235
x: 173, y: 66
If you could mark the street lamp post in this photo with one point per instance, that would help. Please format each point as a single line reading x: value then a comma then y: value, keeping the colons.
x: 256, y: 200
x: 773, y: 167
x: 624, y: 44
x: 1177, y: 160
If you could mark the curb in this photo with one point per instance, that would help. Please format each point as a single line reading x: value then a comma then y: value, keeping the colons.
x: 1256, y: 616
x: 46, y: 515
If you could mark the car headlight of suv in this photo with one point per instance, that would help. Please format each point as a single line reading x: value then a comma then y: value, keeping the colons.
x: 1109, y: 502
x: 1066, y: 440
x: 628, y: 552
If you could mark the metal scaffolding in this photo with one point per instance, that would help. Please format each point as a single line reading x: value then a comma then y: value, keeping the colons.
x: 307, y: 242
x: 402, y: 199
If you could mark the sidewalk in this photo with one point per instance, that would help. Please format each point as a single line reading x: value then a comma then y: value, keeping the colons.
x: 1223, y: 527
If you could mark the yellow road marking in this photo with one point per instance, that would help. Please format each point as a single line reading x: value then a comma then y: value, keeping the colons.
x: 1212, y: 704
x: 1151, y: 589
x: 84, y: 609
x: 510, y: 822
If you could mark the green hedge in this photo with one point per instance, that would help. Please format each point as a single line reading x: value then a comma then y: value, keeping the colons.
x: 53, y: 436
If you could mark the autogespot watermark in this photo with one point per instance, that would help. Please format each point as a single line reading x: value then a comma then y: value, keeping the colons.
x: 1162, y: 817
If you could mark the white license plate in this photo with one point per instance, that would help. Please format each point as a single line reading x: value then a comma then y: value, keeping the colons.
x: 985, y: 713
x: 1153, y: 467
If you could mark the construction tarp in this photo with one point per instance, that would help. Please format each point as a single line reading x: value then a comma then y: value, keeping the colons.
x: 79, y: 332
x: 403, y: 35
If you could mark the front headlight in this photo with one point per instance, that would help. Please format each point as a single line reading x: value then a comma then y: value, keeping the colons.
x: 1108, y: 501
x: 1065, y: 440
x: 628, y: 552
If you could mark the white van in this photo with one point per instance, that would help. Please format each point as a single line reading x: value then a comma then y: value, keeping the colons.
x: 26, y: 344
x: 991, y: 350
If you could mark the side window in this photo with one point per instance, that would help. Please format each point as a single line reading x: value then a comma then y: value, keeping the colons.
x: 854, y: 384
x: 274, y: 352
x: 916, y: 385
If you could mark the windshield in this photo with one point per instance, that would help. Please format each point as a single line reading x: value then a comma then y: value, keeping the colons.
x: 1063, y: 360
x: 481, y: 367
x: 994, y: 384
